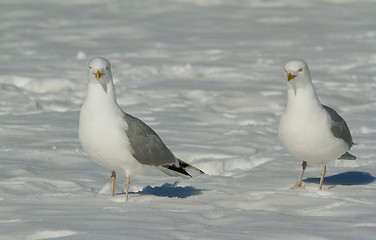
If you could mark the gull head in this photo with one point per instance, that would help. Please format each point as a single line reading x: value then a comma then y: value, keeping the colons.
x: 296, y: 74
x: 100, y: 71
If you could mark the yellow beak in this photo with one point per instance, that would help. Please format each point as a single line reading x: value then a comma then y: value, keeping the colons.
x: 290, y: 76
x: 98, y: 74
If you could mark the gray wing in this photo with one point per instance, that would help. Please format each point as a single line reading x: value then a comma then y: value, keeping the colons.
x: 147, y: 145
x: 339, y: 126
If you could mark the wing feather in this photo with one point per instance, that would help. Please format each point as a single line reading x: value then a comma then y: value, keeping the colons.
x: 339, y: 127
x: 148, y: 147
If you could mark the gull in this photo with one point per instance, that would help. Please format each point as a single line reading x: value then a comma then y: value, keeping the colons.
x: 117, y: 140
x: 308, y: 130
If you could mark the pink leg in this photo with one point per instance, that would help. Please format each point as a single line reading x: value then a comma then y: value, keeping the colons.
x: 113, y: 176
x: 127, y: 184
x: 299, y: 182
x: 323, y: 172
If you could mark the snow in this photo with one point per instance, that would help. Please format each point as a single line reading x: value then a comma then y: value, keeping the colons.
x: 207, y: 76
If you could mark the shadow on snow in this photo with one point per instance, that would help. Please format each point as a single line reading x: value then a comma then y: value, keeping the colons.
x: 346, y: 178
x: 170, y: 190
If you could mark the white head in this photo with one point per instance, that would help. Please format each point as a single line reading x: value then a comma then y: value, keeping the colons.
x: 297, y: 74
x: 100, y: 72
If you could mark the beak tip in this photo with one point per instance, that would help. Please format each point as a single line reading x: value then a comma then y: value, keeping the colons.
x: 98, y: 74
x: 290, y: 76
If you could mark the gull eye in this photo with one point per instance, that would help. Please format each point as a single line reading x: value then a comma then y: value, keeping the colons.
x: 285, y: 70
x: 107, y: 67
x: 90, y: 67
x: 301, y: 70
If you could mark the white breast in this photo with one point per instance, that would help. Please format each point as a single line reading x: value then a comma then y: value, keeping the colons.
x: 102, y: 133
x: 305, y: 132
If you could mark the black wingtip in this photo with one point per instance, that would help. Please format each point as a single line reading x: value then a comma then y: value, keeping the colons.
x: 188, y: 166
x: 180, y: 170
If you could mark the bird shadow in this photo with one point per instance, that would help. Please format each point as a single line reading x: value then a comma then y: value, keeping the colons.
x: 170, y: 191
x: 346, y: 178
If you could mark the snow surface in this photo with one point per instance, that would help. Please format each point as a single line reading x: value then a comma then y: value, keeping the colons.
x: 207, y: 76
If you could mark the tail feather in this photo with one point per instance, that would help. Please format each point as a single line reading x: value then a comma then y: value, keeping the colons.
x: 187, y: 166
x: 173, y: 170
x: 180, y: 170
x: 347, y: 156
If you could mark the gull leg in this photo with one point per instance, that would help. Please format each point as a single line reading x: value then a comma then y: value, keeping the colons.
x: 113, y: 176
x: 127, y: 184
x: 299, y: 182
x: 323, y: 172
